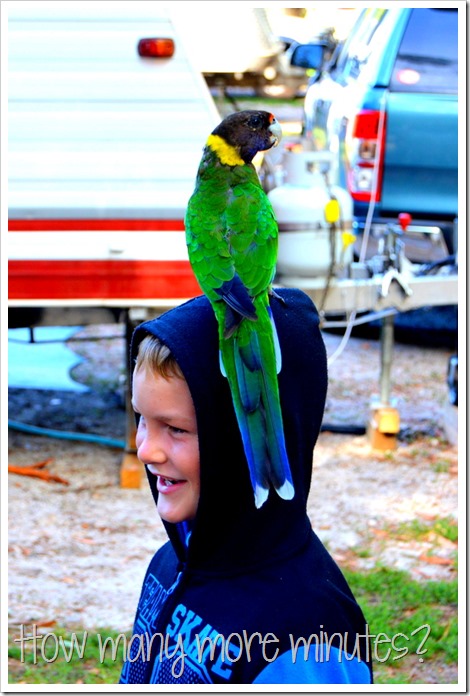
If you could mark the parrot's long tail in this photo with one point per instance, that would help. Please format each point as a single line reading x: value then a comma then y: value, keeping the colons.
x: 249, y: 360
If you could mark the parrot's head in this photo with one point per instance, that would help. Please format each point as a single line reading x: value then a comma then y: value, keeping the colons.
x: 249, y: 132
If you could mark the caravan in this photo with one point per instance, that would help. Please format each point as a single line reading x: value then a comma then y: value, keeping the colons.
x: 107, y: 119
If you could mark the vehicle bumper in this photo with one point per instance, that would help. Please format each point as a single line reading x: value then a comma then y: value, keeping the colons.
x: 425, y: 241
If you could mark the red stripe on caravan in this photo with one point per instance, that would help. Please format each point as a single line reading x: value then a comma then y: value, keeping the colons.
x: 95, y: 225
x: 75, y: 280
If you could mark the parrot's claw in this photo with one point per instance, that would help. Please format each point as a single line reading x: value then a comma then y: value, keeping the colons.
x: 273, y: 293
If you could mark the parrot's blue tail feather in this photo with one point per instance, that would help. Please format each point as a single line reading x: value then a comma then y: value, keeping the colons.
x: 259, y: 417
x: 280, y: 470
x: 248, y: 380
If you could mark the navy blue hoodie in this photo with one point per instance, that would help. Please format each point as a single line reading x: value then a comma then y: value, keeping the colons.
x: 253, y: 597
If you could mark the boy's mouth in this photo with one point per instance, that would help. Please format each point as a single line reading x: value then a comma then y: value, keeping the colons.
x: 169, y: 482
x: 165, y: 484
x: 168, y: 486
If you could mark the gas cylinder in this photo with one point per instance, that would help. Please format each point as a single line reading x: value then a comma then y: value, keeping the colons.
x: 309, y: 242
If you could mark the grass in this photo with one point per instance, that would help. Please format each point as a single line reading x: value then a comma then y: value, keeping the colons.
x: 64, y: 657
x: 436, y: 533
x: 253, y: 101
x: 409, y: 622
x: 447, y: 527
x: 441, y: 466
x: 419, y: 529
x: 413, y: 628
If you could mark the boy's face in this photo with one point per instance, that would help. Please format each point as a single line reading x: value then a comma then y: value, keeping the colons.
x: 167, y: 442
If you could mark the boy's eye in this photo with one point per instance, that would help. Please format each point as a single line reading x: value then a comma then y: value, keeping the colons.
x: 176, y: 430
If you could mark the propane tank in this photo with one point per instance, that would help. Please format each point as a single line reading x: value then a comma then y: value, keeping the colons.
x: 303, y: 207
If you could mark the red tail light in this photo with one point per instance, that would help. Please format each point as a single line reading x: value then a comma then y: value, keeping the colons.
x: 364, y: 146
x: 156, y: 48
x: 366, y: 124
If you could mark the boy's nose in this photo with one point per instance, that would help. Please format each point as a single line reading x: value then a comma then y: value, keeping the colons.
x: 150, y: 451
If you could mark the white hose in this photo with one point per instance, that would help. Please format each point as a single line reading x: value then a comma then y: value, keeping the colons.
x: 367, y: 226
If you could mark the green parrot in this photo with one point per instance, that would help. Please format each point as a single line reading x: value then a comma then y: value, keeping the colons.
x: 232, y: 239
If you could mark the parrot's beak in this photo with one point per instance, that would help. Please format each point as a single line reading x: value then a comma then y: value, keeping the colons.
x: 276, y: 131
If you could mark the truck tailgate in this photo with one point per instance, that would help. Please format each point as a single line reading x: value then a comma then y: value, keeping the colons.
x: 420, y: 176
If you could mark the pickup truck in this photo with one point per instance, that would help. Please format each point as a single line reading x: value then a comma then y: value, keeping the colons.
x: 386, y: 105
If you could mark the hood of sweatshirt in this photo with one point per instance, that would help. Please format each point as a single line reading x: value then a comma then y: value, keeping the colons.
x: 229, y: 534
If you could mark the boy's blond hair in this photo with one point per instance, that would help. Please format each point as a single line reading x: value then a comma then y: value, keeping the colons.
x: 157, y: 357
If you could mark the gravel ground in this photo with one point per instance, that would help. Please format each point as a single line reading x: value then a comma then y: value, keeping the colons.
x: 78, y: 552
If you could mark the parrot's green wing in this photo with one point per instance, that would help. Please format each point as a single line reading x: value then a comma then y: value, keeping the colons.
x: 231, y: 233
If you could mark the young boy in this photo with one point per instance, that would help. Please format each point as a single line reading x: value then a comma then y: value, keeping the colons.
x: 238, y: 595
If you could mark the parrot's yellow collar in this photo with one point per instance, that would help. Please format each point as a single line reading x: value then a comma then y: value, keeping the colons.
x: 225, y: 152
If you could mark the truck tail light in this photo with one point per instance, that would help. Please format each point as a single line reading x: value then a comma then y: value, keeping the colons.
x: 156, y: 48
x: 364, y: 145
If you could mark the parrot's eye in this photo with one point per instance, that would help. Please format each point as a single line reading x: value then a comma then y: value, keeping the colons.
x: 256, y: 122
